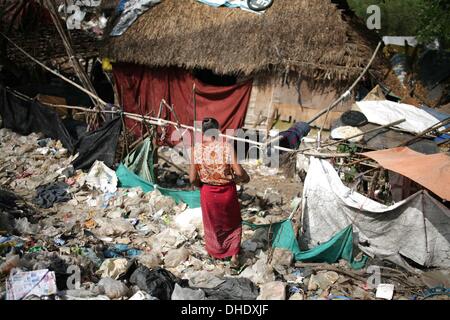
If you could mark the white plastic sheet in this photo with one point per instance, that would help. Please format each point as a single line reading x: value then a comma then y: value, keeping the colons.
x: 102, y: 178
x: 417, y: 228
x: 346, y: 132
x: 189, y: 221
x: 385, y: 112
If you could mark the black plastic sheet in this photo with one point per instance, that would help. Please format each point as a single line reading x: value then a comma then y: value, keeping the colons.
x: 159, y: 283
x: 100, y: 145
x: 26, y: 116
x: 233, y: 289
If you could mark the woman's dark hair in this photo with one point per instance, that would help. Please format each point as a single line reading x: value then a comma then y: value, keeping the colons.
x: 211, y: 126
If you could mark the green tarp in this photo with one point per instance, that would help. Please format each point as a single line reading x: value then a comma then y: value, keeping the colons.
x: 140, y: 161
x: 128, y: 179
x: 338, y: 247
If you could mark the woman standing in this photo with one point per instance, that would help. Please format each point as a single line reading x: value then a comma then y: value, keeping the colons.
x: 214, y: 168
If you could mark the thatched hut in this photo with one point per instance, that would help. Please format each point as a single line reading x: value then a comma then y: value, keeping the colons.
x: 294, y: 58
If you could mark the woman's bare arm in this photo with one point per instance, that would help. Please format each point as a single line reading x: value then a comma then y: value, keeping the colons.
x: 241, y: 176
x: 193, y: 174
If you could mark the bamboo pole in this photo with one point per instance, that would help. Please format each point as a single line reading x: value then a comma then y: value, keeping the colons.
x: 358, y: 135
x: 424, y: 132
x: 195, y: 113
x: 69, y: 49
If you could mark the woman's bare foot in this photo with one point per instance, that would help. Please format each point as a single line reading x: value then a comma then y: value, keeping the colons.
x: 234, y: 261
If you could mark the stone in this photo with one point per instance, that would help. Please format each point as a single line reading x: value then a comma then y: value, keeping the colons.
x: 249, y: 245
x: 180, y: 293
x: 150, y: 260
x: 323, y: 280
x: 261, y: 272
x: 297, y: 296
x: 113, y: 289
x: 282, y: 257
x: 204, y: 279
x: 176, y: 257
x: 275, y: 290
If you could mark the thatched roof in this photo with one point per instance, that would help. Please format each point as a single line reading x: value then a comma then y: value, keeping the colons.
x: 109, y: 4
x: 308, y: 37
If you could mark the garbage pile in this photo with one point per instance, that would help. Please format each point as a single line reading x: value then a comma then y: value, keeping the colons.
x: 66, y: 234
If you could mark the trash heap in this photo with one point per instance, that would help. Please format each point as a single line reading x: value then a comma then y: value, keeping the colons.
x: 66, y: 234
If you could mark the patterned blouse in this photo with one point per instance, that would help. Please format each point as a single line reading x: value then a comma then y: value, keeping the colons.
x: 213, y: 162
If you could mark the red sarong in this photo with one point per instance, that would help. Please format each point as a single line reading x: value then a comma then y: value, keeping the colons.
x: 221, y: 220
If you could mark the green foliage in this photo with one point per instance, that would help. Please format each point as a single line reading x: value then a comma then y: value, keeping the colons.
x: 398, y: 17
x: 434, y: 21
x: 347, y: 148
x: 350, y: 175
x: 426, y: 19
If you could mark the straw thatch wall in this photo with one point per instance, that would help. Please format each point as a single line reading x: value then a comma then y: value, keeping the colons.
x: 29, y: 26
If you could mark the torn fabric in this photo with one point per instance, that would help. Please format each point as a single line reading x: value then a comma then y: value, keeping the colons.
x: 417, y: 228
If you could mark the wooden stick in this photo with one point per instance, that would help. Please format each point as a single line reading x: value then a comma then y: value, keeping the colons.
x: 69, y: 49
x: 433, y: 127
x: 324, y: 266
x: 366, y: 172
x: 195, y: 113
x: 326, y: 155
x: 358, y: 135
x: 444, y: 141
x: 374, y: 183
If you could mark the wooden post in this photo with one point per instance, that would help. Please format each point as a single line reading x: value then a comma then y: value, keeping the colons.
x: 195, y: 114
